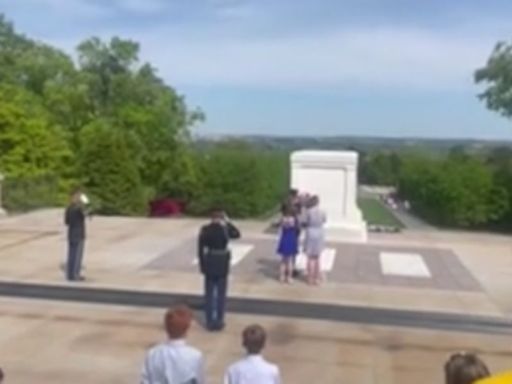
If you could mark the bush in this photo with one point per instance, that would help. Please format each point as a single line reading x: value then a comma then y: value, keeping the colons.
x: 28, y: 193
x: 243, y: 181
x: 454, y: 191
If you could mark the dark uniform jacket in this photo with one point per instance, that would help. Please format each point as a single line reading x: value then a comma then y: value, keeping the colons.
x: 214, y: 256
x: 74, y: 218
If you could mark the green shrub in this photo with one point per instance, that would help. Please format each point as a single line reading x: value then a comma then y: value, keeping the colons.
x: 28, y: 193
x: 110, y: 172
x: 245, y: 182
x: 454, y: 191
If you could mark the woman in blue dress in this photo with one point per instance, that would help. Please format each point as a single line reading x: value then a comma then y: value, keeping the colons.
x: 288, y: 246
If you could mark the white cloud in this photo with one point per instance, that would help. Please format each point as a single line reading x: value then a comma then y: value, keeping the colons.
x: 236, y: 9
x: 215, y: 53
x: 142, y: 6
x: 65, y: 8
x: 372, y: 57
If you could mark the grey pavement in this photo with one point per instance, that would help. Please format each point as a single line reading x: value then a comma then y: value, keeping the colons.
x: 353, y: 263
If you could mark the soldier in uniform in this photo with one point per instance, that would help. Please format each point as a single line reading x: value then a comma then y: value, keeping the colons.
x: 74, y: 218
x: 214, y: 260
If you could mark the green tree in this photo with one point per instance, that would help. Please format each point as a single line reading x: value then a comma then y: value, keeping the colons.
x: 155, y: 116
x: 244, y: 181
x: 110, y: 172
x: 453, y: 192
x: 381, y: 168
x: 497, y: 75
x: 30, y: 144
x: 59, y: 104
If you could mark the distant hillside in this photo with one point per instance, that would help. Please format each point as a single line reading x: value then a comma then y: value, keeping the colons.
x: 362, y: 144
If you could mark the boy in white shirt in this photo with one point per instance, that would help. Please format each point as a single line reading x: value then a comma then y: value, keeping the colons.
x: 174, y: 361
x: 253, y: 369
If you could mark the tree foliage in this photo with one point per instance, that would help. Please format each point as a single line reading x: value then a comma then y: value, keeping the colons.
x: 113, y: 180
x: 243, y: 181
x: 497, y: 75
x: 30, y: 143
x: 453, y: 192
x: 380, y: 168
x: 111, y: 124
x: 53, y: 111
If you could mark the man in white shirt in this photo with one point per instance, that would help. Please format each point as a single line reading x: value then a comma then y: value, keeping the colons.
x: 253, y: 369
x: 173, y: 361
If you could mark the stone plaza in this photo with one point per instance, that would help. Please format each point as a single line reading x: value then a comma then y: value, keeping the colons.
x: 390, y: 311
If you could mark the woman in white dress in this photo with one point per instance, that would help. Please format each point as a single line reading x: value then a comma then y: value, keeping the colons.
x: 314, y: 239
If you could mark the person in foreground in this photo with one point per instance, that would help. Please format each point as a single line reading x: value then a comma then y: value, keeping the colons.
x: 465, y: 368
x: 1, y: 376
x: 174, y: 361
x: 214, y: 260
x: 253, y: 369
x: 74, y: 218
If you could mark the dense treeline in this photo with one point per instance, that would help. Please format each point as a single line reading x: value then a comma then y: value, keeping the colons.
x: 109, y: 123
x: 458, y: 190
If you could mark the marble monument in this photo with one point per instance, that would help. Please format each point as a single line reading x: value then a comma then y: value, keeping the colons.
x: 332, y: 176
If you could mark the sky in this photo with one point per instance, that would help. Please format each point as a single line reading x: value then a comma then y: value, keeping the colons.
x: 400, y: 68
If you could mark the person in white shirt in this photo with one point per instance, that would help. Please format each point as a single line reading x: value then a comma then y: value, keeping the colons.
x: 174, y: 361
x: 253, y: 369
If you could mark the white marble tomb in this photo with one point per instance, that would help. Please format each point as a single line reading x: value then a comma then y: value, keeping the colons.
x: 332, y: 176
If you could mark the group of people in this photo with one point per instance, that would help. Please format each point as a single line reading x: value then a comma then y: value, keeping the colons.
x: 213, y: 254
x: 300, y: 212
x: 174, y: 361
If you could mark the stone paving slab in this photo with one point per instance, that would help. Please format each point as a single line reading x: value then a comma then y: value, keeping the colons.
x: 354, y: 263
x: 114, y: 259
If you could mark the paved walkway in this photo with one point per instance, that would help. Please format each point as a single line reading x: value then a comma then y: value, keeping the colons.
x: 445, y: 274
x: 451, y: 272
x: 412, y: 222
x: 45, y: 342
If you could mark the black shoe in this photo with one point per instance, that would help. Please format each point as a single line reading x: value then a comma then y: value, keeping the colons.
x: 295, y: 273
x: 221, y: 327
x: 210, y: 327
x: 216, y: 327
x: 78, y: 278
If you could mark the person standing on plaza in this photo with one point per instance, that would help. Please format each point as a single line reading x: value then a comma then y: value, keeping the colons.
x: 174, y: 361
x: 214, y: 260
x: 74, y: 218
x: 253, y: 368
x: 314, y: 239
x: 293, y: 204
x: 288, y: 244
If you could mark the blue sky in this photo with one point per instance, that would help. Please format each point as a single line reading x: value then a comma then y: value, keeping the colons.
x: 303, y: 67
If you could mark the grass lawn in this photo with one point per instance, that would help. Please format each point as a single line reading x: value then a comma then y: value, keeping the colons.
x: 376, y: 213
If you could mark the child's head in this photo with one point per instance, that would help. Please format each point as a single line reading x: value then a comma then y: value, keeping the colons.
x: 177, y: 321
x: 464, y: 368
x: 253, y: 339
